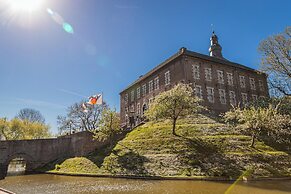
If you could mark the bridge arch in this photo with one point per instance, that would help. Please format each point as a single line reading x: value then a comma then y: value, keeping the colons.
x: 25, y: 156
x: 39, y: 152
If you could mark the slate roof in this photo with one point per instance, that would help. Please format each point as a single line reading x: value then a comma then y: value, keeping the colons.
x: 184, y: 51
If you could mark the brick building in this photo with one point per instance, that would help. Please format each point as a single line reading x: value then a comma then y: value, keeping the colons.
x: 219, y: 82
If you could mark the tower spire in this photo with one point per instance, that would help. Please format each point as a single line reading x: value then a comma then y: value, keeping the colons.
x: 215, y: 48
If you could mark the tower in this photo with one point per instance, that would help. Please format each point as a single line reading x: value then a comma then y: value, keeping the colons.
x: 215, y: 48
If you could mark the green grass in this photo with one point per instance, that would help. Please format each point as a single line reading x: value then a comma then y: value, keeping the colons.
x: 204, y: 148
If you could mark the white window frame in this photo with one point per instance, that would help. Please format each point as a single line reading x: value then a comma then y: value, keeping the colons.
x: 132, y: 108
x: 210, y: 94
x: 232, y: 98
x: 252, y: 83
x: 198, y: 91
x: 167, y: 78
x: 156, y: 83
x: 132, y: 96
x: 151, y: 86
x: 138, y: 93
x: 244, y: 98
x: 138, y: 109
x: 229, y: 79
x: 126, y: 98
x: 220, y: 76
x: 208, y: 74
x: 242, y: 81
x: 222, y: 96
x: 196, y: 71
x: 144, y: 89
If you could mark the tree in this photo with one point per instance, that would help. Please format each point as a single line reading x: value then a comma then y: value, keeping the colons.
x: 17, y: 129
x: 276, y: 61
x: 30, y: 115
x: 4, y: 127
x: 109, y: 125
x: 77, y: 119
x: 255, y: 119
x: 173, y: 104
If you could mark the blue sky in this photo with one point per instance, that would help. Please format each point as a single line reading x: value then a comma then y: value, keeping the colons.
x: 115, y: 41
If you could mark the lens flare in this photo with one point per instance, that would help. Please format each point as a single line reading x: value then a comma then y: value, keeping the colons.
x: 68, y: 28
x: 25, y: 5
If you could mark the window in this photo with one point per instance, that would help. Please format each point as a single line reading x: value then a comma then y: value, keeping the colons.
x: 151, y: 86
x: 126, y: 98
x: 132, y: 108
x: 232, y: 98
x: 132, y: 96
x: 220, y: 77
x: 196, y: 71
x: 261, y: 86
x: 244, y: 98
x: 254, y: 97
x: 210, y: 94
x: 156, y: 83
x: 138, y: 93
x: 222, y: 97
x: 242, y: 81
x: 138, y: 108
x: 229, y: 79
x: 198, y: 91
x: 252, y: 83
x: 208, y: 74
x: 144, y: 89
x: 167, y: 78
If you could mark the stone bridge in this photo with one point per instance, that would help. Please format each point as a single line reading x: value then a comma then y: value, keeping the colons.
x: 40, y: 152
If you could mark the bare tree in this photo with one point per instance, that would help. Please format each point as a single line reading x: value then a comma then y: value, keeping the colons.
x: 79, y: 120
x: 276, y: 61
x: 31, y: 115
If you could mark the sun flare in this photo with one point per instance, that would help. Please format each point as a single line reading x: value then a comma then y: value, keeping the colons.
x: 25, y: 5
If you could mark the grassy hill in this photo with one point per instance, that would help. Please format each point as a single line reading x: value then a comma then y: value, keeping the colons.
x: 204, y: 148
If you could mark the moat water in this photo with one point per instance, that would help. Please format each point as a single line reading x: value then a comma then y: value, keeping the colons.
x: 36, y: 184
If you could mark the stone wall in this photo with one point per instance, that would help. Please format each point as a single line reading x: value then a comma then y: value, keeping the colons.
x: 38, y: 153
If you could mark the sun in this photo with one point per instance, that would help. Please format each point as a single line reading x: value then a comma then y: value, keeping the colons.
x: 25, y: 5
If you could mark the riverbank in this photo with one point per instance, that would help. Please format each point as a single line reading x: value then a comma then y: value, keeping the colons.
x: 197, y: 178
x: 204, y: 149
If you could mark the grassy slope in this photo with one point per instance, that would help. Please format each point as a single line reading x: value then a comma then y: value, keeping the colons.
x: 203, y: 148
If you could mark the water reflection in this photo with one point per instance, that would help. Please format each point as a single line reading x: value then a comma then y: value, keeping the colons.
x: 65, y: 184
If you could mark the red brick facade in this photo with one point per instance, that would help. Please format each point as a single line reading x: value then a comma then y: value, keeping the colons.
x: 217, y: 81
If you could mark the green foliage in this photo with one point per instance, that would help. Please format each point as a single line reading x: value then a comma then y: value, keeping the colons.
x: 109, y: 124
x: 203, y: 148
x: 256, y: 118
x: 16, y: 129
x: 174, y: 104
x: 283, y: 104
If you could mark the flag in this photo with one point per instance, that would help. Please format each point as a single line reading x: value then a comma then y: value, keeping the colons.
x: 96, y: 99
